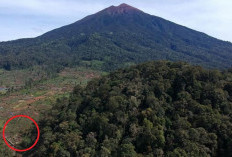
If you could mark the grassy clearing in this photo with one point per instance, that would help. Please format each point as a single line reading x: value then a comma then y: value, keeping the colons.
x: 39, y: 97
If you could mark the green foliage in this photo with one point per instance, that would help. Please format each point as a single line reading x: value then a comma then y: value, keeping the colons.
x: 153, y: 109
x: 5, y: 150
x: 127, y: 150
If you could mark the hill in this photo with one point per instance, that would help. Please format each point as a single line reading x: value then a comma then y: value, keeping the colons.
x: 153, y: 109
x: 116, y: 37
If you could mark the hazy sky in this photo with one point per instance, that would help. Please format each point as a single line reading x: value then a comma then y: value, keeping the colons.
x: 30, y: 18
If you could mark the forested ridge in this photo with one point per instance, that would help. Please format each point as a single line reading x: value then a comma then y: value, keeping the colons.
x: 114, y: 38
x: 152, y: 109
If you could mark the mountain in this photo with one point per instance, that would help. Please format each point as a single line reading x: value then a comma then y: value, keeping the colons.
x: 153, y: 109
x: 116, y: 37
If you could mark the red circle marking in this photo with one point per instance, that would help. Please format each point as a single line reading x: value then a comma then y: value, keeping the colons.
x: 21, y: 150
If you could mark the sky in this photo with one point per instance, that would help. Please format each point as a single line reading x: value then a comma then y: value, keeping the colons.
x: 31, y: 18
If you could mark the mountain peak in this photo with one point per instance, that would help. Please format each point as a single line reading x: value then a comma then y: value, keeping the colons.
x: 124, y: 5
x: 121, y: 9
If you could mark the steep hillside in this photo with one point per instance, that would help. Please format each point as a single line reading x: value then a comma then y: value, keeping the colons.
x: 117, y: 37
x: 154, y: 109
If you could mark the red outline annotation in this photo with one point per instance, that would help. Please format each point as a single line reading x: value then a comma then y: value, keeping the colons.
x: 21, y: 150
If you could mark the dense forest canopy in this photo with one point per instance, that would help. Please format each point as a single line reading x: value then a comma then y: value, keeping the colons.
x: 113, y: 38
x: 153, y: 109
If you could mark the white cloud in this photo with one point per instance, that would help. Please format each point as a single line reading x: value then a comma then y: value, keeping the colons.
x: 49, y: 7
x: 38, y: 16
x: 209, y: 16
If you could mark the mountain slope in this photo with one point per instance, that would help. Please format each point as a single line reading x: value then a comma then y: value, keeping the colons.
x: 115, y: 37
x: 153, y: 109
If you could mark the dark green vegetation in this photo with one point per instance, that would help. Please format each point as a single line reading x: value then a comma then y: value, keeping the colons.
x: 113, y: 38
x: 32, y: 91
x: 153, y: 109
